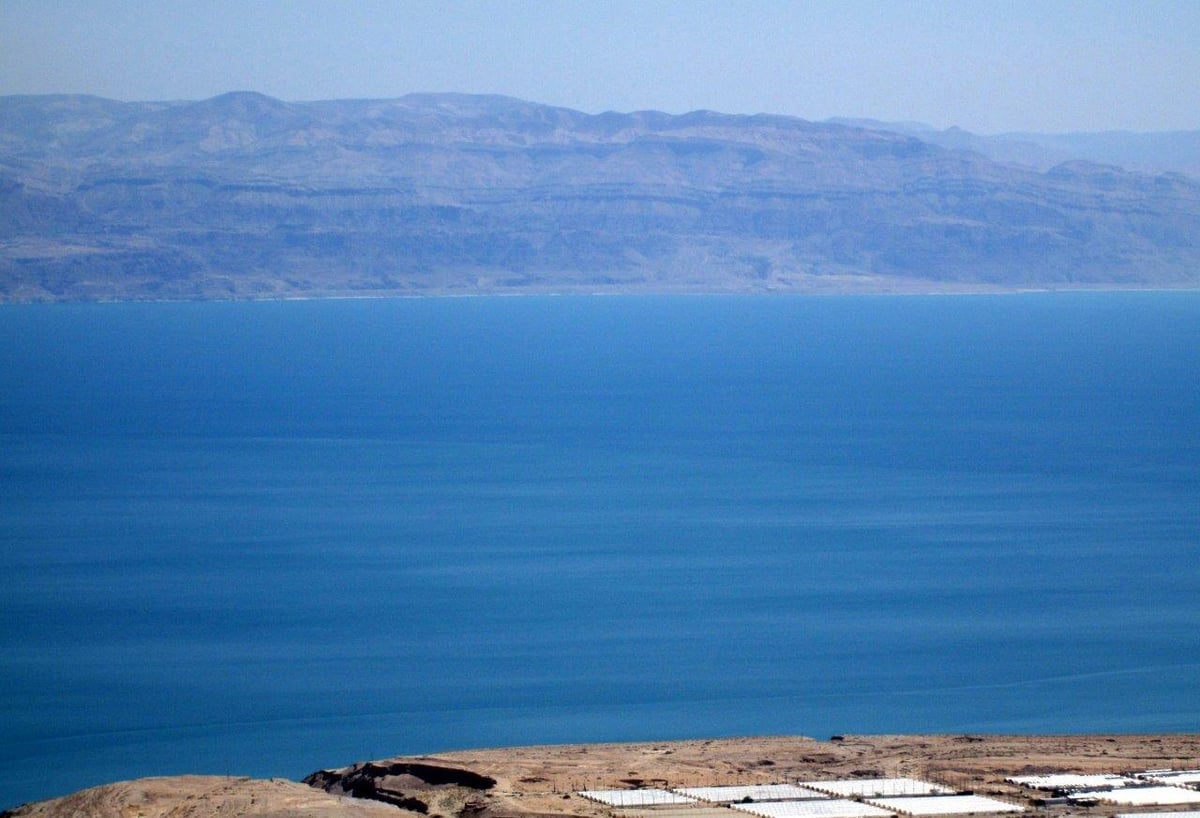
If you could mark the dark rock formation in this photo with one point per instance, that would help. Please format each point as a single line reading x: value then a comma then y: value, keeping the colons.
x: 400, y: 784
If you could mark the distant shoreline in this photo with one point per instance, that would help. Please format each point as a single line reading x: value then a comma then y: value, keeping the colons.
x: 648, y: 293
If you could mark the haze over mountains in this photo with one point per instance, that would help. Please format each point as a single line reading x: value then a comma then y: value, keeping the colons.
x: 244, y: 196
x: 1154, y: 153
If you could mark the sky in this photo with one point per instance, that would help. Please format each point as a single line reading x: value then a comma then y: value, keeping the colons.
x: 990, y: 67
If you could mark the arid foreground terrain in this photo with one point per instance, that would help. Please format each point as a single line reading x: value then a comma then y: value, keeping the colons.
x: 542, y: 781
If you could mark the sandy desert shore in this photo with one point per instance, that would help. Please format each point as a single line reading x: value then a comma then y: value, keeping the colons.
x: 537, y: 782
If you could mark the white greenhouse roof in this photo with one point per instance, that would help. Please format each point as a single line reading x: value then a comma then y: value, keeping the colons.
x: 636, y: 798
x: 945, y: 805
x: 1148, y: 796
x: 1184, y: 777
x: 815, y: 808
x: 680, y: 811
x: 1159, y: 815
x: 759, y: 792
x: 1069, y: 781
x: 869, y: 787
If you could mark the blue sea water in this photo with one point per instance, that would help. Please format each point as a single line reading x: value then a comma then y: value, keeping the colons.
x: 263, y: 538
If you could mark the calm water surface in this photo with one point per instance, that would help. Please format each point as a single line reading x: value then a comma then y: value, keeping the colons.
x: 264, y: 538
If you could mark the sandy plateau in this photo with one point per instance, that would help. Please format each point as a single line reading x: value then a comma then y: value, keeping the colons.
x: 537, y: 782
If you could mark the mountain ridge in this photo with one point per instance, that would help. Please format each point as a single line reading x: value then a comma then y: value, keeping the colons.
x: 246, y: 196
x: 1150, y: 152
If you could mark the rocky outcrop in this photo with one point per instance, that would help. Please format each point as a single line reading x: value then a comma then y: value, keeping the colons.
x: 407, y: 785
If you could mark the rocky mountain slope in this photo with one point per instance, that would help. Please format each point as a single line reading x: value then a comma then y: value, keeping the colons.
x: 244, y: 196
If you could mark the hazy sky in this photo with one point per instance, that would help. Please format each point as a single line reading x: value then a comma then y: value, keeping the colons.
x: 989, y: 66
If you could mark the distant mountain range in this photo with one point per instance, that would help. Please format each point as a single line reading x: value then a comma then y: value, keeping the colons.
x: 1154, y: 153
x: 244, y: 196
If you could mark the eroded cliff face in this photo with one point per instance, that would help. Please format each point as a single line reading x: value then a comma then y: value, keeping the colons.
x: 243, y: 196
x: 411, y: 786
